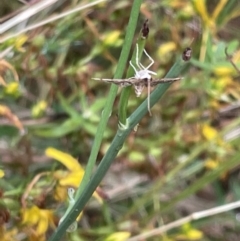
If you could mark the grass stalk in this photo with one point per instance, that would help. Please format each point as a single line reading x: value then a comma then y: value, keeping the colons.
x: 82, y: 200
x: 113, y: 150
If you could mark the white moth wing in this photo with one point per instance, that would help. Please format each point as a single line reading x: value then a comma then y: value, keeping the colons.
x: 121, y: 82
x: 138, y: 82
x: 164, y: 80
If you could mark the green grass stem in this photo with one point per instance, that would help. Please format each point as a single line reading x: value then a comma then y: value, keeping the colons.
x: 73, y: 213
x: 113, y: 150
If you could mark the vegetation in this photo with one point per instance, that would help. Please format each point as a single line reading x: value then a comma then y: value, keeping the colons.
x: 82, y: 159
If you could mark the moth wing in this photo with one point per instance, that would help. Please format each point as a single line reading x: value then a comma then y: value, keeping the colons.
x: 155, y: 82
x: 122, y: 82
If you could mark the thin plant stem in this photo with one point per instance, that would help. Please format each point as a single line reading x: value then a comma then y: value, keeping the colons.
x: 73, y: 213
x: 159, y: 184
x: 207, y: 178
x: 15, y: 20
x: 180, y: 222
x: 29, y: 12
x: 112, y: 95
x: 113, y: 150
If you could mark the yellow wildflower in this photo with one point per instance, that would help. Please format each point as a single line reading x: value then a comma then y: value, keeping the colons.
x: 39, y: 219
x: 67, y: 178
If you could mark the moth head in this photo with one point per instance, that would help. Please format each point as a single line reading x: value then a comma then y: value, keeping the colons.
x: 143, y: 74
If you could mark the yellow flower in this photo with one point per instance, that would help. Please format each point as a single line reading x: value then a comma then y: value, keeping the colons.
x: 211, y: 164
x: 39, y: 108
x: 69, y: 178
x: 209, y: 20
x: 223, y: 70
x: 1, y: 173
x: 166, y: 48
x: 20, y: 41
x: 189, y: 233
x: 8, y: 235
x: 211, y: 134
x: 118, y: 236
x: 112, y: 38
x: 37, y: 218
x: 12, y: 89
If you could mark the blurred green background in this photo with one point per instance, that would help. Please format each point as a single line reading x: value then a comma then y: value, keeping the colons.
x: 181, y: 160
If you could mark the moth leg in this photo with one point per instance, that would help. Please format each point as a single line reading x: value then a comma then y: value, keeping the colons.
x: 140, y: 66
x: 150, y: 58
x: 130, y: 62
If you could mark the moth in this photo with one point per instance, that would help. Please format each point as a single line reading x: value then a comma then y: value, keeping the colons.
x: 142, y: 77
